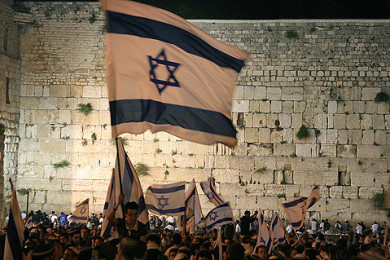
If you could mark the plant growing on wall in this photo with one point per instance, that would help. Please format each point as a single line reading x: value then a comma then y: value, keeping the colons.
x: 382, y: 97
x: 2, y: 129
x: 24, y: 191
x: 379, y: 200
x: 261, y: 170
x: 291, y: 35
x: 142, y: 169
x: 86, y: 109
x: 93, y: 137
x: 62, y: 164
x: 303, y: 132
x: 92, y: 19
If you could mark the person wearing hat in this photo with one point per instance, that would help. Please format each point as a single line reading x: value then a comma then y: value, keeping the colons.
x: 42, y: 252
x: 129, y: 226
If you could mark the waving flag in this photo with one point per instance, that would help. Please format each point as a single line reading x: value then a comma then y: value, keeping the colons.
x: 15, y: 237
x: 209, y: 189
x: 219, y: 216
x: 165, y: 74
x: 81, y: 213
x: 108, y: 206
x: 127, y: 183
x: 29, y: 223
x: 296, y: 209
x: 166, y: 199
x: 276, y: 231
x: 263, y: 236
x: 193, y: 210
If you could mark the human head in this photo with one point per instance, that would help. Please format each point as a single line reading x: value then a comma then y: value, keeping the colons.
x: 261, y: 252
x: 127, y: 248
x: 76, y: 237
x: 42, y: 252
x: 204, y: 255
x: 236, y: 251
x: 131, y: 212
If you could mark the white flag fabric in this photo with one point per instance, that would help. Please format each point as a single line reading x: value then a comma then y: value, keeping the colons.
x: 276, y: 231
x: 15, y: 237
x: 166, y: 199
x: 296, y: 209
x: 108, y: 206
x: 263, y: 236
x: 81, y: 213
x: 128, y: 184
x: 193, y: 212
x: 209, y: 189
x: 219, y: 216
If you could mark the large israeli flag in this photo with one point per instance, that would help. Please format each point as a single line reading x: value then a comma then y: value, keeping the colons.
x: 108, y: 206
x: 276, y: 231
x: 81, y: 213
x: 127, y: 183
x: 210, y: 191
x: 165, y: 74
x: 296, y: 209
x: 166, y: 199
x: 218, y: 216
x: 15, y: 237
x: 193, y: 212
x: 263, y: 236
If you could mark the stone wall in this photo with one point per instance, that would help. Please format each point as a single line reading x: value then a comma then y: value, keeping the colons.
x: 321, y: 74
x: 9, y: 99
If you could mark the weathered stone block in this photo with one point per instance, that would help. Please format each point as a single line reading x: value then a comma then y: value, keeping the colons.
x: 252, y: 135
x: 292, y: 93
x: 274, y: 93
x: 240, y: 106
x: 362, y: 179
x: 368, y: 151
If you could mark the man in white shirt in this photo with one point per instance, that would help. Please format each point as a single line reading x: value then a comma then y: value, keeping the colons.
x: 359, y: 229
x: 314, y: 226
x: 238, y: 227
x: 375, y: 227
x: 24, y: 215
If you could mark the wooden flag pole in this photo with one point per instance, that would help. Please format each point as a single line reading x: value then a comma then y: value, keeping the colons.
x: 120, y: 175
x: 386, y: 231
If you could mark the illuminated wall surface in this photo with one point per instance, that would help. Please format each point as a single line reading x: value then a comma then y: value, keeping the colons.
x: 324, y: 75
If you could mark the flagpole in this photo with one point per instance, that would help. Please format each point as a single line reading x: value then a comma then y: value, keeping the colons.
x: 120, y: 175
x: 386, y: 231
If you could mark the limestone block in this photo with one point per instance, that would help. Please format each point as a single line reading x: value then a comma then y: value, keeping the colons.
x: 249, y: 92
x: 259, y: 149
x: 336, y: 192
x: 359, y: 107
x: 242, y: 162
x: 350, y: 136
x: 46, y: 144
x: 288, y: 107
x: 226, y: 175
x: 39, y: 184
x: 267, y: 162
x: 276, y: 106
x: 285, y: 120
x: 304, y: 150
x: 299, y: 106
x: 380, y: 137
x: 264, y: 135
x: 342, y: 205
x: 369, y: 192
x: 274, y: 93
x: 76, y: 185
x: 284, y: 149
x: 353, y: 121
x: 222, y: 162
x: 232, y: 188
x: 350, y: 192
x: 273, y: 120
x: 328, y: 150
x: 238, y: 92
x: 47, y: 103
x: 330, y: 178
x: 260, y: 93
x: 292, y: 93
x: 246, y: 202
x: 378, y: 121
x: 332, y: 107
x: 73, y: 131
x: 255, y: 189
x: 340, y: 121
x: 252, y: 135
x: 92, y: 92
x: 66, y: 197
x: 296, y: 121
x: 370, y: 93
x: 240, y: 106
x: 320, y: 121
x: 381, y: 179
x: 254, y: 106
x: 259, y: 120
x: 368, y: 137
x: 265, y: 106
x: 330, y: 120
x: 268, y: 202
x: 362, y: 179
x: 313, y: 178
x: 387, y: 121
x: 29, y: 102
x: 368, y: 151
x: 104, y: 117
x: 80, y: 119
x: 292, y: 190
x: 348, y: 151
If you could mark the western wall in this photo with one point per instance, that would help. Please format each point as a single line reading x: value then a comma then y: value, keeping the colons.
x: 323, y: 74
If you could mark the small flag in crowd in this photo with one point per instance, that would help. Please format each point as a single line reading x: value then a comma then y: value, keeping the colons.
x: 81, y: 213
x: 209, y: 189
x: 296, y: 209
x: 108, y: 206
x: 263, y: 236
x: 128, y: 184
x: 193, y: 212
x: 29, y: 222
x: 219, y: 245
x: 276, y: 231
x: 165, y: 74
x: 15, y: 237
x: 166, y: 199
x: 219, y: 216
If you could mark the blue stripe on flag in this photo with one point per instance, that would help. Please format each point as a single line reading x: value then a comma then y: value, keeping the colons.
x: 212, y: 188
x: 13, y: 238
x: 167, y: 211
x: 294, y: 202
x: 166, y: 190
x: 78, y: 218
x: 141, y: 110
x: 219, y: 221
x: 143, y: 27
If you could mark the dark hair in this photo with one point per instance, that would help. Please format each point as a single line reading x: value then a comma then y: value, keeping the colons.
x: 236, y: 251
x: 128, y: 247
x: 131, y: 205
x: 300, y: 249
x: 257, y: 248
x: 176, y: 239
x: 204, y: 253
x: 154, y: 237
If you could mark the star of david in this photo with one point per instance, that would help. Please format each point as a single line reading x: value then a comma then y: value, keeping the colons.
x: 83, y: 209
x: 213, y: 216
x: 162, y: 202
x: 171, y: 67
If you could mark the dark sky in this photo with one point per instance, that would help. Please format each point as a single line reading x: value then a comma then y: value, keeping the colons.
x: 272, y: 9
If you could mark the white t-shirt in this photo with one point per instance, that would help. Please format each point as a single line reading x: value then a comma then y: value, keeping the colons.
x: 314, y: 226
x: 375, y: 227
x: 359, y: 229
x: 238, y: 228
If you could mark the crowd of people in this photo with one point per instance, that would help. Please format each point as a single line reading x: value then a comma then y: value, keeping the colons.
x: 53, y: 237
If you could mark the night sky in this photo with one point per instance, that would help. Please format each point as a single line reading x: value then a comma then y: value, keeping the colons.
x: 273, y: 9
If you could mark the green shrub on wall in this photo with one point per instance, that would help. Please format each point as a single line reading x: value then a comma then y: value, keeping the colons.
x: 2, y: 129
x: 379, y: 200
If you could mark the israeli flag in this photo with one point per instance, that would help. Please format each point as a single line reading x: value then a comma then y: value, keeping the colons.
x: 127, y: 183
x: 263, y: 236
x: 219, y: 216
x: 15, y: 237
x: 277, y: 231
x: 193, y: 212
x: 209, y: 189
x: 108, y: 206
x: 166, y: 199
x: 29, y: 222
x: 80, y: 215
x: 296, y: 209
